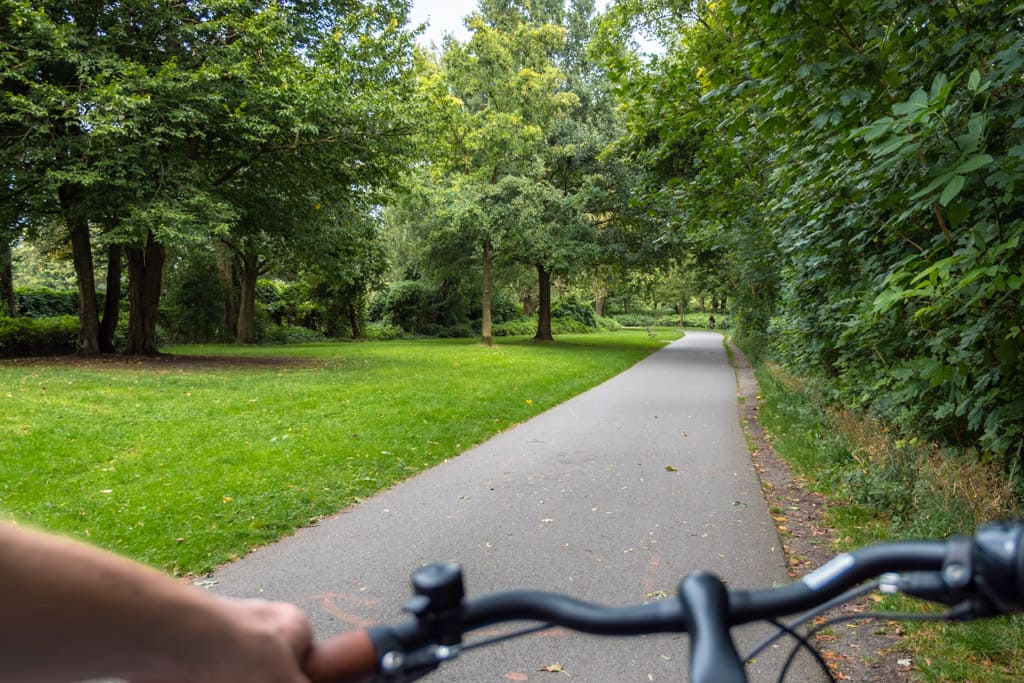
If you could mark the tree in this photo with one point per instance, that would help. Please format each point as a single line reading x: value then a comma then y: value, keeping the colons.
x: 495, y: 97
x: 158, y: 108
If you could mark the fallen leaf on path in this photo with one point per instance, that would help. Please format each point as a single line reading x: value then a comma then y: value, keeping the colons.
x: 555, y: 668
x: 516, y: 676
x: 669, y: 468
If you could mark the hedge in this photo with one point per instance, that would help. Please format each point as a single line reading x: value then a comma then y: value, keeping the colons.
x: 21, y: 337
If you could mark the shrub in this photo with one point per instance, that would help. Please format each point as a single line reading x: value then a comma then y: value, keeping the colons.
x: 383, y: 331
x: 192, y: 307
x: 503, y: 307
x: 460, y: 331
x: 515, y: 328
x: 290, y: 334
x: 569, y: 326
x: 377, y: 306
x: 635, y: 320
x: 42, y: 302
x: 573, y: 309
x: 38, y: 337
x: 406, y: 305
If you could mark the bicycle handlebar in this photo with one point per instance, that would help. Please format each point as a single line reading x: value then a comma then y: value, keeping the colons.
x: 984, y: 574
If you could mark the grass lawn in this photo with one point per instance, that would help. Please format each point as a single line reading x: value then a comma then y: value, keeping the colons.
x: 185, y: 464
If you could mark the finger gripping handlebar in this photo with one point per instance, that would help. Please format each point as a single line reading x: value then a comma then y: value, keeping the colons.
x: 349, y: 657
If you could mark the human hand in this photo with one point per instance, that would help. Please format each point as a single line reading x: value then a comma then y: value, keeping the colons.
x: 246, y: 641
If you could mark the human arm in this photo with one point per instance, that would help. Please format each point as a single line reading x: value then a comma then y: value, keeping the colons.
x: 70, y: 612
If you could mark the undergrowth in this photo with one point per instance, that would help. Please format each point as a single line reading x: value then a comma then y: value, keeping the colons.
x: 884, y: 487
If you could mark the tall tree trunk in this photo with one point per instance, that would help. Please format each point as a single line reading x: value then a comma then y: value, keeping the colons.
x: 682, y: 311
x: 486, y: 332
x: 226, y: 275
x: 353, y: 318
x: 8, y: 302
x: 246, y: 332
x: 112, y: 300
x: 71, y: 201
x: 544, y: 306
x: 599, y: 304
x: 145, y: 278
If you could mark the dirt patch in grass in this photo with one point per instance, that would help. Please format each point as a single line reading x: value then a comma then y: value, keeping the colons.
x: 858, y: 650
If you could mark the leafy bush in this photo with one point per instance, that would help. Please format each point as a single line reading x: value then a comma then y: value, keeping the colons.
x: 192, y: 309
x: 42, y: 302
x: 38, y: 336
x: 569, y: 326
x: 608, y: 324
x: 405, y: 305
x: 503, y: 307
x: 383, y: 331
x: 377, y: 306
x: 515, y: 328
x: 573, y: 309
x: 635, y: 319
x: 291, y: 334
x: 462, y: 331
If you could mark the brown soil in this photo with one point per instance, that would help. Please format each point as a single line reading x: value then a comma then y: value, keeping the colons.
x: 858, y: 650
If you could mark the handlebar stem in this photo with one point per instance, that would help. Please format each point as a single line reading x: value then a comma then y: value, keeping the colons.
x: 713, y: 655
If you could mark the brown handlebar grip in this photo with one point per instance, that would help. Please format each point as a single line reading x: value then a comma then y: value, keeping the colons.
x: 349, y: 657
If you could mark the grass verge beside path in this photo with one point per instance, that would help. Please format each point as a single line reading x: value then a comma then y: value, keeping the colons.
x: 185, y: 464
x: 881, y: 488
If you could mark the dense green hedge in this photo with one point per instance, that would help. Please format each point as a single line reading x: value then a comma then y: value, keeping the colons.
x: 860, y: 166
x: 42, y: 302
x: 38, y: 336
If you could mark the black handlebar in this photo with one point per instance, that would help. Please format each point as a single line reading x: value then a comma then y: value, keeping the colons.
x: 982, y: 575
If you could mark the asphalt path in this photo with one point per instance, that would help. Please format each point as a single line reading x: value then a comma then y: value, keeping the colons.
x: 611, y: 497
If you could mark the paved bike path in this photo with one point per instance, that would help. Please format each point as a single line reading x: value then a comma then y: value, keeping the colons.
x: 611, y: 497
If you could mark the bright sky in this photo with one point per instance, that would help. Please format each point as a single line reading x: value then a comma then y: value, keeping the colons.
x: 441, y: 17
x: 445, y: 16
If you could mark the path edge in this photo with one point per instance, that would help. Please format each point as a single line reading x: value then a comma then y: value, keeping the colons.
x: 862, y: 652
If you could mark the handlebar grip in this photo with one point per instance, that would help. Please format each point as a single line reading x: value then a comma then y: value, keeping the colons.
x: 349, y: 657
x: 999, y: 564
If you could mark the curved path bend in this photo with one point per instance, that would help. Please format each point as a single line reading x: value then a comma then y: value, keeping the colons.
x: 611, y: 497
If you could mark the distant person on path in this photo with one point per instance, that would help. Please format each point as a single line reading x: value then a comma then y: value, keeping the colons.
x: 72, y: 612
x: 711, y: 322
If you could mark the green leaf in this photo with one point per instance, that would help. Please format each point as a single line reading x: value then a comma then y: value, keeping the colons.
x: 875, y: 130
x: 905, y: 108
x: 974, y: 81
x: 952, y: 189
x: 932, y: 186
x: 884, y: 301
x: 974, y: 163
x: 892, y: 145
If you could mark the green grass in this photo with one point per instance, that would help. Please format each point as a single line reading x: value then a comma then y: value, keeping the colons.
x: 872, y: 501
x: 187, y: 466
